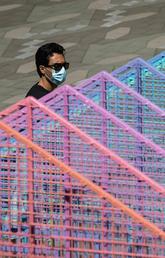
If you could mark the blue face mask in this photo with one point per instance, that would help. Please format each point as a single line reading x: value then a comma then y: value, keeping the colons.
x: 58, y: 77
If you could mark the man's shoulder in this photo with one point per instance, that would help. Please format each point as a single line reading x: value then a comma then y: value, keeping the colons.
x: 36, y: 91
x: 35, y: 86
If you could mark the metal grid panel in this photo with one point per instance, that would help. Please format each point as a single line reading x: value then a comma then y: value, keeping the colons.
x: 126, y: 104
x: 158, y: 62
x: 43, y: 214
x: 91, y: 159
x: 144, y: 79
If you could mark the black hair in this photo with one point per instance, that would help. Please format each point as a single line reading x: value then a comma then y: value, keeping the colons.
x: 45, y: 52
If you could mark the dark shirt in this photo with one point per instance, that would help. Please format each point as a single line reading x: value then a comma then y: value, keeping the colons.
x: 37, y: 91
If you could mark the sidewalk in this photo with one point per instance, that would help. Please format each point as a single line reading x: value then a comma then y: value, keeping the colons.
x: 97, y: 34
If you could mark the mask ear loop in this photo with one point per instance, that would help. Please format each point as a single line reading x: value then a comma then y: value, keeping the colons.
x: 49, y: 75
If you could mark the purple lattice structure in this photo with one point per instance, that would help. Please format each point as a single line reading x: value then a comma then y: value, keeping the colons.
x: 158, y: 62
x: 127, y: 104
x: 144, y: 79
x: 50, y: 209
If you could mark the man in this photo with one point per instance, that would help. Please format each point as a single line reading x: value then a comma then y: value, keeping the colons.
x: 51, y: 67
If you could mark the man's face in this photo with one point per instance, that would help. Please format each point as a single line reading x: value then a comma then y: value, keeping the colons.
x: 56, y: 60
x: 55, y: 71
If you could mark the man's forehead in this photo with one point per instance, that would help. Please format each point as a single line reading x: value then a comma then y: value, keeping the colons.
x: 56, y: 57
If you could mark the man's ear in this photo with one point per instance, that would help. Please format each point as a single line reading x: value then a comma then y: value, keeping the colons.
x: 42, y: 69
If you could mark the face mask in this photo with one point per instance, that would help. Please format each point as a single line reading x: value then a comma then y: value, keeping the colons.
x: 58, y: 77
